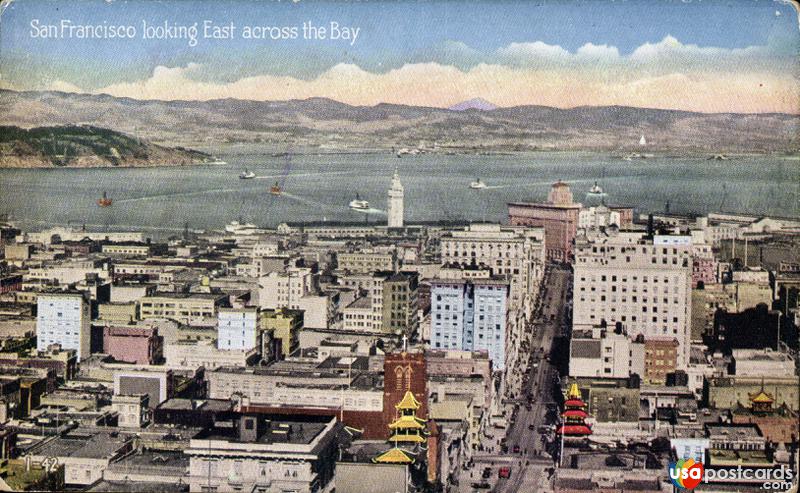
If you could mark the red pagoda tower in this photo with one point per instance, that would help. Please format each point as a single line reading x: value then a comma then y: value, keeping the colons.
x: 574, y: 416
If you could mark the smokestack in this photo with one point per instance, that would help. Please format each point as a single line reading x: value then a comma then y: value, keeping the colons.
x: 650, y: 225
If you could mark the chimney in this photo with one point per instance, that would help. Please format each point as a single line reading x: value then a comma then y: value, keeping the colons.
x: 650, y: 225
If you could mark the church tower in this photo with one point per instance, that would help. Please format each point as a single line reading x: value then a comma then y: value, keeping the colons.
x: 395, y: 205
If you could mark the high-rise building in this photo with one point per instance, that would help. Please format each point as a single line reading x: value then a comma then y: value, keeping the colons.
x: 64, y: 319
x: 389, y: 303
x: 561, y: 218
x: 284, y: 289
x: 558, y: 216
x: 642, y: 281
x: 395, y: 202
x: 470, y: 315
x: 515, y: 253
x: 237, y: 328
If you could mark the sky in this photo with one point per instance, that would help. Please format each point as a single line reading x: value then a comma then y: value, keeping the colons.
x: 699, y: 55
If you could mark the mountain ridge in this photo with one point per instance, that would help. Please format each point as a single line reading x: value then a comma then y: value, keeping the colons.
x: 328, y: 124
x: 85, y: 146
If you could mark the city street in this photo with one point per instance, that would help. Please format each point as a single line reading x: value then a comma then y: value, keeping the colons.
x: 525, y: 444
x: 532, y: 429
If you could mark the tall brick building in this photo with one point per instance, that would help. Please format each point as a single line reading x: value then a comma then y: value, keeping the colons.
x: 558, y: 216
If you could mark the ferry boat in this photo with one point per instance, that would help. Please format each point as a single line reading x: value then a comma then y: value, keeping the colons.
x: 477, y: 185
x: 247, y: 175
x: 596, y: 191
x: 358, y: 204
x: 237, y: 228
x: 105, y: 200
x: 275, y: 189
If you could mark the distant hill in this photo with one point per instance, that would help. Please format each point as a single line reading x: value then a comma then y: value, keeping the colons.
x: 85, y: 146
x: 473, y: 104
x: 330, y: 125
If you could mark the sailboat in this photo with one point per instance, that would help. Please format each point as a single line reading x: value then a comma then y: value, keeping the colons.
x: 637, y: 155
x: 275, y: 189
x: 105, y: 200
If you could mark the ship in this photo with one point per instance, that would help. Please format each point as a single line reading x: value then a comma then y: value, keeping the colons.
x: 635, y: 155
x: 239, y: 228
x: 477, y: 185
x: 596, y: 191
x: 247, y: 175
x: 275, y: 189
x: 358, y: 204
x: 105, y: 200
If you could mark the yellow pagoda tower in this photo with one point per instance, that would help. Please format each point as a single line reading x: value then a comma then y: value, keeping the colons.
x: 407, y: 429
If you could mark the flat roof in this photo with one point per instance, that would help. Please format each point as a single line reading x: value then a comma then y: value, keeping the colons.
x: 139, y: 486
x: 362, y: 302
x: 733, y: 431
x: 82, y: 443
x: 160, y: 458
x: 196, y: 404
x: 273, y: 428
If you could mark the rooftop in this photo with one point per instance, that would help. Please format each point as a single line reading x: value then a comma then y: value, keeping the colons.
x: 160, y: 459
x: 363, y: 302
x: 300, y: 430
x: 82, y: 443
x: 139, y: 487
x: 196, y: 404
x: 733, y: 432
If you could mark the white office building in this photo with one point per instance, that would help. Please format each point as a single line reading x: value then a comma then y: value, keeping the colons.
x: 470, y: 315
x: 514, y: 252
x: 643, y: 282
x: 63, y: 318
x: 395, y: 202
x: 237, y: 329
x: 284, y: 289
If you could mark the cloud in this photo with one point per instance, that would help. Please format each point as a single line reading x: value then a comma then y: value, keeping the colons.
x: 601, y: 52
x: 666, y: 74
x: 532, y: 54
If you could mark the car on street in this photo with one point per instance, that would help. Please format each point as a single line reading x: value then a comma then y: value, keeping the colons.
x: 481, y: 486
x: 487, y: 473
x: 516, y: 449
x: 504, y: 472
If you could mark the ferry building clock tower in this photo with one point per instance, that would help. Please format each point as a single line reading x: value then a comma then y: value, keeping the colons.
x: 395, y: 206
